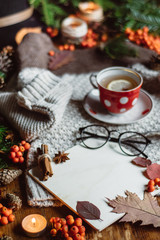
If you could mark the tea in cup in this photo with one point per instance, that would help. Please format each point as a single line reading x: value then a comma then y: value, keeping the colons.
x: 119, y: 88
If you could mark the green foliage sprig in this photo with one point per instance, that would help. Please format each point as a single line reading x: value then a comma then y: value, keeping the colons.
x: 117, y: 48
x: 6, y: 141
x: 53, y: 13
x: 137, y: 14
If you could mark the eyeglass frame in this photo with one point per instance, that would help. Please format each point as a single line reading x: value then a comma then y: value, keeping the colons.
x: 117, y: 140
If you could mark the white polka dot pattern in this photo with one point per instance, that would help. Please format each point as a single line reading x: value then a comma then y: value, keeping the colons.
x: 122, y: 110
x: 107, y: 103
x: 134, y: 101
x: 124, y: 100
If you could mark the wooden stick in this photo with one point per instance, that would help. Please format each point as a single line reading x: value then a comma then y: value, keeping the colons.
x: 45, y: 163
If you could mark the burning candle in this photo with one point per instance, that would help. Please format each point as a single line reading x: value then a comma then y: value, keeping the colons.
x: 34, y: 225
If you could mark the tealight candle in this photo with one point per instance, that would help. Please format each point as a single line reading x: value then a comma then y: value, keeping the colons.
x: 34, y: 225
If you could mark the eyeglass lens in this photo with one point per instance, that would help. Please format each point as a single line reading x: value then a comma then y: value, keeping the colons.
x: 132, y: 143
x: 94, y: 136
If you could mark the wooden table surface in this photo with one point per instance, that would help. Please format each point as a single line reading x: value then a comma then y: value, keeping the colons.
x: 117, y: 231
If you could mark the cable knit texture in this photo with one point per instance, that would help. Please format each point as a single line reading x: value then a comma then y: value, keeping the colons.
x: 38, y: 105
x: 63, y: 135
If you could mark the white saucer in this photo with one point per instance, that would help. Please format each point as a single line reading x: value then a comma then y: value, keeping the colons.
x: 95, y: 109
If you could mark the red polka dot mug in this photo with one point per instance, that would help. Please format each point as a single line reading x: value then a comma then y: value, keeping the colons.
x: 119, y: 88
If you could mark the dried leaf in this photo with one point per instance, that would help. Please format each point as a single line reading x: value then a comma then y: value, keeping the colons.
x: 142, y: 162
x: 88, y: 210
x: 147, y: 210
x: 60, y: 59
x: 10, y: 136
x: 153, y: 171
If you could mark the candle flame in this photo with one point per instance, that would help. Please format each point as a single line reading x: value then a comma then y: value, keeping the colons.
x: 33, y: 221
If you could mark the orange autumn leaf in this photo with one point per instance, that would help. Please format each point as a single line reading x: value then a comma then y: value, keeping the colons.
x: 147, y: 210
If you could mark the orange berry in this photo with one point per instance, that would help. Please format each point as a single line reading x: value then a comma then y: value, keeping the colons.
x: 52, y: 219
x: 65, y: 228
x: 156, y: 180
x: 82, y: 237
x: 104, y: 37
x: 78, y: 222
x: 21, y: 159
x: 57, y: 219
x: 53, y: 231
x: 82, y: 234
x: 5, y: 211
x: 11, y: 218
x: 74, y: 230
x: 66, y: 46
x: 48, y: 29
x: 27, y: 146
x: 139, y: 32
x: 61, y: 48
x: 12, y: 154
x: 55, y: 31
x: 15, y: 148
x: 84, y: 43
x: 51, y: 53
x: 151, y: 188
x: 18, y: 154
x: 66, y: 235
x: 57, y: 225
x: 70, y: 221
x: 71, y: 47
x: 128, y: 30
x: 10, y: 211
x: 90, y: 31
x: 68, y: 217
x: 63, y: 221
x: 82, y: 229
x: 151, y: 182
x: 77, y: 237
x: 4, y: 220
x: 15, y: 160
x: 1, y: 205
x: 69, y: 238
x: 146, y: 29
x: 21, y: 149
x: 23, y: 142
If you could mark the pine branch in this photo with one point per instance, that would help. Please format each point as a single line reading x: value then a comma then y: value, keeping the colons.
x: 117, y: 48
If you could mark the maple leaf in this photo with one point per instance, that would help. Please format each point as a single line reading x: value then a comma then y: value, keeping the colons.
x: 147, y: 210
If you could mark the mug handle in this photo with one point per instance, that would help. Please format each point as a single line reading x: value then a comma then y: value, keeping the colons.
x: 92, y: 78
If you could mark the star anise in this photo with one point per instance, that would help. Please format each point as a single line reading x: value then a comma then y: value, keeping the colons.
x: 60, y: 157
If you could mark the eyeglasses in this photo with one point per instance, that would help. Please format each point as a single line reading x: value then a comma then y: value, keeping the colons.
x: 130, y: 143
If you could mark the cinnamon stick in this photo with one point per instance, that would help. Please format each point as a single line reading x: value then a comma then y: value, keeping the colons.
x: 45, y: 163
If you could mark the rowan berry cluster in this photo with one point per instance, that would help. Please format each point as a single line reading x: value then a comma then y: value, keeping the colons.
x: 17, y: 152
x: 6, y: 215
x: 92, y: 39
x: 67, y: 228
x: 152, y: 184
x: 144, y: 38
x: 52, y: 32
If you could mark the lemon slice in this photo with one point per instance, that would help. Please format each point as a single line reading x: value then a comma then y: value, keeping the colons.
x: 120, y: 85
